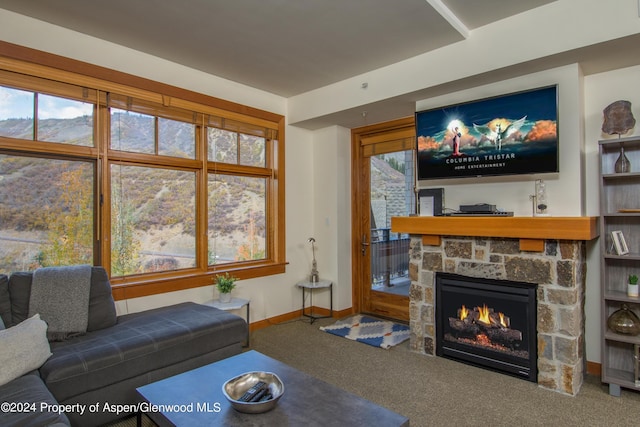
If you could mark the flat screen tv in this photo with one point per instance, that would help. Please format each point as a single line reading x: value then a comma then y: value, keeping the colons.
x: 504, y: 135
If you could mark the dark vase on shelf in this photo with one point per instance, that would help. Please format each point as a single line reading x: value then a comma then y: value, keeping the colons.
x: 623, y: 164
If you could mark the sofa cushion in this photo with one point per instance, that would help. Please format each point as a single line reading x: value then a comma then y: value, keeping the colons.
x: 102, y: 310
x: 139, y: 343
x: 29, y: 392
x: 24, y: 348
x: 5, y: 300
x: 20, y: 291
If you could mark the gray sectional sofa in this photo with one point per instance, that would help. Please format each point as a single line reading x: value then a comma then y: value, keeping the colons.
x: 102, y: 367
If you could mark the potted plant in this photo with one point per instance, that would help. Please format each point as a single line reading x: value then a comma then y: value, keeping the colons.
x: 632, y: 286
x: 225, y: 283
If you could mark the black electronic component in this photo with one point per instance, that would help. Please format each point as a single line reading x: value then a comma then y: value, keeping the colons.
x: 253, y: 391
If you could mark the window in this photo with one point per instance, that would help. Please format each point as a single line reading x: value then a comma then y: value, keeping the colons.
x: 237, y: 213
x: 236, y: 148
x: 16, y: 113
x: 132, y: 132
x: 46, y: 202
x: 163, y: 190
x: 153, y: 220
x: 64, y: 120
x: 46, y: 212
x: 142, y: 133
x: 176, y: 139
x: 58, y: 119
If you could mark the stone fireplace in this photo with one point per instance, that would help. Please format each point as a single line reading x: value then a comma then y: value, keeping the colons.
x: 556, y: 265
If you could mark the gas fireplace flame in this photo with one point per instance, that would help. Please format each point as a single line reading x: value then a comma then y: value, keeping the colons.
x: 502, y: 320
x: 484, y: 315
x: 464, y: 313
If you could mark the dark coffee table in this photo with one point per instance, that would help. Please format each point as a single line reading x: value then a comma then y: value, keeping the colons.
x: 195, y: 398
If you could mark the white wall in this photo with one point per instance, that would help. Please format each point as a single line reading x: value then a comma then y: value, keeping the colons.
x: 332, y: 210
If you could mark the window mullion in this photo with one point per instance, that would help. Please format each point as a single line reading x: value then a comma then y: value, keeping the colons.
x: 35, y: 116
x: 202, y: 227
x: 156, y: 138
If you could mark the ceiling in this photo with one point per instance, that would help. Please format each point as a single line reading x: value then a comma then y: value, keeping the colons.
x: 285, y: 47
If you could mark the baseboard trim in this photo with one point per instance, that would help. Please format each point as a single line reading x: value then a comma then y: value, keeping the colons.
x: 594, y: 368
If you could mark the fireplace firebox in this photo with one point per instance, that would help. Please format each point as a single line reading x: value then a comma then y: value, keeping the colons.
x: 487, y: 323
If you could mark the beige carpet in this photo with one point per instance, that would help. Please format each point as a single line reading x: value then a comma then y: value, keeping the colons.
x: 432, y: 391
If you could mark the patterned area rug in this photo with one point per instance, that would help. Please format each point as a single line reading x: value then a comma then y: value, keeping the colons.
x: 369, y: 330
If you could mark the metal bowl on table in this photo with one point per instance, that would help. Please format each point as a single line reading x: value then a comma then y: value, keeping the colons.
x: 235, y: 388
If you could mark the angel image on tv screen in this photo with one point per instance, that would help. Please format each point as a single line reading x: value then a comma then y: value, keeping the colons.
x: 505, y: 135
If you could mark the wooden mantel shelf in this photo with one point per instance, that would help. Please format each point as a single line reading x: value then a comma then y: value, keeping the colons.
x: 532, y: 231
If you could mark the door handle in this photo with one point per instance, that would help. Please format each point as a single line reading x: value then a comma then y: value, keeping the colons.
x: 364, y: 244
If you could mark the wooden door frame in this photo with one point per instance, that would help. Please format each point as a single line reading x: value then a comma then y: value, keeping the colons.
x: 356, y: 208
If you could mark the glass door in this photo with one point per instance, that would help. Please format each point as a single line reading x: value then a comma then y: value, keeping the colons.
x: 391, y: 194
x: 384, y: 187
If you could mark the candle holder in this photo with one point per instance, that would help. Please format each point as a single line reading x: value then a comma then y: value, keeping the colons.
x: 314, y: 277
x: 539, y: 199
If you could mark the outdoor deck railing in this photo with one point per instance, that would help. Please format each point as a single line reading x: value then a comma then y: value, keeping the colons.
x: 389, y: 256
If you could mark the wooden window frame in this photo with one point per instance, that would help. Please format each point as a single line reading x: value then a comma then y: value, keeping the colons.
x: 37, y: 71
